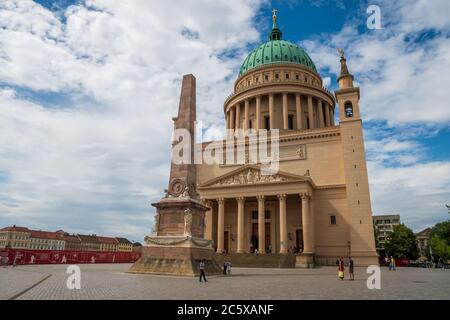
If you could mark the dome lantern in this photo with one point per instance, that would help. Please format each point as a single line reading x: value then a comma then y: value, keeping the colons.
x: 276, y: 51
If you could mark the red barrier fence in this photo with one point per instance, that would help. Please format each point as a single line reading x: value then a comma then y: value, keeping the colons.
x: 24, y: 257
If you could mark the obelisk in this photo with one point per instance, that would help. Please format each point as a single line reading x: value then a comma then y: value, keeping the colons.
x: 177, y: 244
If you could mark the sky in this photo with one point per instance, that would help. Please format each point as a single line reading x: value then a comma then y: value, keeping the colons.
x: 88, y: 89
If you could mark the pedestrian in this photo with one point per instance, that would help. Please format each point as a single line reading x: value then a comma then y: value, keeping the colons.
x: 269, y: 249
x: 202, y: 271
x: 251, y: 248
x: 341, y: 269
x: 441, y: 263
x: 392, y: 264
x: 225, y: 266
x: 256, y: 251
x: 350, y: 268
x: 386, y: 261
x: 229, y: 268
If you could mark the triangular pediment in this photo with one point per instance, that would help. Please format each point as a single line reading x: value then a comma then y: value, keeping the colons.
x: 252, y: 175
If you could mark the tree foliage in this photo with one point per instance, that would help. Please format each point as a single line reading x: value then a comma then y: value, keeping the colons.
x: 440, y: 240
x: 402, y: 243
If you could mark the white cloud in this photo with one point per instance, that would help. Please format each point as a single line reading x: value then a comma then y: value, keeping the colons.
x: 403, y: 75
x: 94, y: 165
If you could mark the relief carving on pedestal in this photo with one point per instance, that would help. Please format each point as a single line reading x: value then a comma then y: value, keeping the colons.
x: 188, y: 222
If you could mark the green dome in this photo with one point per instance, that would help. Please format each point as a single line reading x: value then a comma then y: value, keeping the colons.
x: 276, y: 51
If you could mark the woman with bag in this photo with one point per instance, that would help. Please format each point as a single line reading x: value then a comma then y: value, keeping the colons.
x: 341, y: 268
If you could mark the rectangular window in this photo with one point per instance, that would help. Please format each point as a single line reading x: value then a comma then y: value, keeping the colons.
x: 333, y: 220
x: 287, y: 75
x: 266, y: 77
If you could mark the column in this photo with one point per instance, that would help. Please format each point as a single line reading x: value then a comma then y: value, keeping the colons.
x: 283, y: 224
x: 332, y: 115
x: 298, y: 108
x: 327, y: 114
x: 321, y: 120
x: 220, y: 225
x: 238, y: 116
x: 240, y: 225
x: 306, y: 223
x: 232, y: 118
x: 312, y: 121
x: 261, y: 225
x: 227, y: 120
x: 285, y: 112
x: 312, y: 223
x: 258, y: 113
x: 247, y: 115
x: 271, y: 112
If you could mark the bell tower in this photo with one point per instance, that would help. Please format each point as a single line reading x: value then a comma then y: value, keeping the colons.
x: 362, y: 241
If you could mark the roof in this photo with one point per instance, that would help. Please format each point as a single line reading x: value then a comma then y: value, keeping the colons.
x: 426, y: 232
x: 71, y: 238
x: 123, y: 241
x: 15, y: 228
x: 88, y: 238
x: 276, y: 51
x: 44, y: 234
x: 107, y: 240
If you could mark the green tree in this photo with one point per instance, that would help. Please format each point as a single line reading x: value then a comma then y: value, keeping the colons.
x: 402, y: 243
x: 440, y: 240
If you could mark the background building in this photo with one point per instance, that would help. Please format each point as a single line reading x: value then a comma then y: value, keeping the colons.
x: 422, y: 240
x: 108, y: 244
x: 14, y: 237
x: 23, y: 238
x: 124, y: 245
x: 44, y: 240
x: 384, y: 224
x: 89, y: 242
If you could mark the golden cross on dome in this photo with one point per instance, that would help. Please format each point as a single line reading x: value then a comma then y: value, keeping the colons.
x: 274, y: 11
x: 341, y: 52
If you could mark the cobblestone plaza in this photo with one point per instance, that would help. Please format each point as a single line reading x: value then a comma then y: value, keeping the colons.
x: 99, y: 282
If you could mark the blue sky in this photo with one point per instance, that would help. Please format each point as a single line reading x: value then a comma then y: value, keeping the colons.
x: 86, y: 86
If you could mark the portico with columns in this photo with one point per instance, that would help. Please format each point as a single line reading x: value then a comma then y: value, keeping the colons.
x: 272, y: 215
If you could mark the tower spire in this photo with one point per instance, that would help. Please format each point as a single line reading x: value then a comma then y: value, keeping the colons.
x: 276, y: 33
x: 345, y: 79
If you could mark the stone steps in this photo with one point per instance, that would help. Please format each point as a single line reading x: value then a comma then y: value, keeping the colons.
x: 247, y: 260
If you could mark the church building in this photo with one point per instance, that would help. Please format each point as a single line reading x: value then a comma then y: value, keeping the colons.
x: 317, y: 205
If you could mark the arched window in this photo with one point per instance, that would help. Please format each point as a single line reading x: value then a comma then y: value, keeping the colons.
x: 348, y: 108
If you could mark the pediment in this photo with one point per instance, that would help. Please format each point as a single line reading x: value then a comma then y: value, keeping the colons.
x: 252, y: 175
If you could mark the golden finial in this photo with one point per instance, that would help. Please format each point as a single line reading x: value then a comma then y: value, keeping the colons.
x: 274, y: 11
x: 341, y: 52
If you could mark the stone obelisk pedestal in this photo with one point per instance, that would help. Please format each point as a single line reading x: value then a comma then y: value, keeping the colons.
x: 177, y: 244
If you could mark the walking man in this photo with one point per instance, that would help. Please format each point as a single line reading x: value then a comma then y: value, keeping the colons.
x: 202, y: 271
x: 350, y: 268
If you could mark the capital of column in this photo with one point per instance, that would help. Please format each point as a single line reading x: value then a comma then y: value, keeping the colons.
x: 305, y: 196
x: 282, y: 197
x: 260, y: 198
x: 240, y: 199
x: 221, y: 200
